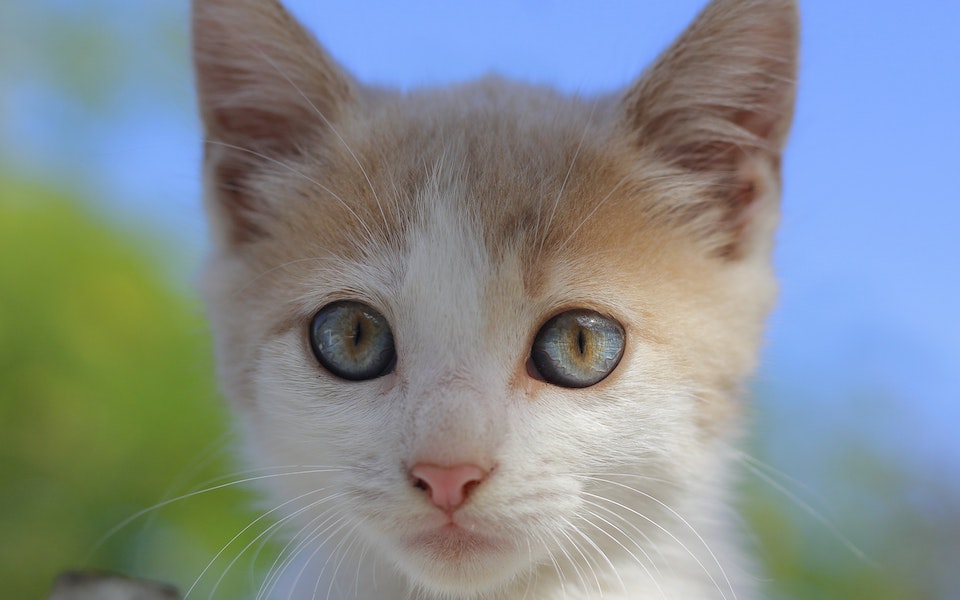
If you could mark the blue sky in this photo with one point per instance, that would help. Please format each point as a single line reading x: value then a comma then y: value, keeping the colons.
x: 866, y: 340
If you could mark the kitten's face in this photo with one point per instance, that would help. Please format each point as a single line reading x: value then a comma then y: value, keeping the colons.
x: 387, y: 264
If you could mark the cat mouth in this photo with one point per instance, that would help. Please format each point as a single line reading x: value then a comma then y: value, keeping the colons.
x: 454, y: 557
x: 453, y: 542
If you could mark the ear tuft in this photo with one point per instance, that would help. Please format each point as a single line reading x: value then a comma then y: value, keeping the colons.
x: 719, y: 102
x: 265, y: 89
x: 261, y: 77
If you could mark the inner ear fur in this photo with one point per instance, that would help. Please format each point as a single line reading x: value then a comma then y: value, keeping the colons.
x: 718, y: 104
x: 265, y: 89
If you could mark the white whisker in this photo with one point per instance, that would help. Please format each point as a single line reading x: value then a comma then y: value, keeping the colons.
x: 312, y: 541
x: 670, y: 534
x: 531, y: 576
x: 813, y: 513
x: 556, y: 202
x: 556, y: 565
x: 614, y: 570
x: 586, y: 561
x: 330, y: 125
x: 370, y: 235
x: 597, y: 207
x: 343, y: 555
x: 599, y: 551
x: 299, y: 542
x: 262, y: 534
x: 356, y: 579
x: 193, y: 494
x: 200, y: 462
x: 569, y: 559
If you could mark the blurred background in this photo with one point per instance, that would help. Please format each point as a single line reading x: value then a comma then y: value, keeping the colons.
x: 107, y: 404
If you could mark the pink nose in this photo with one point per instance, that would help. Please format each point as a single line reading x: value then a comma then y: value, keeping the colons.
x: 447, y: 487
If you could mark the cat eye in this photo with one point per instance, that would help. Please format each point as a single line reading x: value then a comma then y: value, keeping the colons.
x: 352, y: 340
x: 577, y: 348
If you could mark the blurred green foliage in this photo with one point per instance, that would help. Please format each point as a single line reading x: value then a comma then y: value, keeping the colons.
x: 106, y: 401
x: 871, y: 528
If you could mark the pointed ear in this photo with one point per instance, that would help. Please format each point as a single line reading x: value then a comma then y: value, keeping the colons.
x: 265, y: 88
x: 719, y: 103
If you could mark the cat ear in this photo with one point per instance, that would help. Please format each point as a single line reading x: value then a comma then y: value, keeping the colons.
x: 719, y: 103
x: 264, y: 86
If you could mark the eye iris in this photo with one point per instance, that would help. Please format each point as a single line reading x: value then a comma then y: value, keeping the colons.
x: 578, y: 348
x: 352, y: 340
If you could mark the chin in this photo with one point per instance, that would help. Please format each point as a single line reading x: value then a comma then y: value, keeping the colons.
x: 453, y: 562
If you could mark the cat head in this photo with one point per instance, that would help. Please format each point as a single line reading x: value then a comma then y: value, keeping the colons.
x: 489, y: 311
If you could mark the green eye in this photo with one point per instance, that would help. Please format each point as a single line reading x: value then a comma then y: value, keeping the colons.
x: 577, y: 349
x: 352, y: 341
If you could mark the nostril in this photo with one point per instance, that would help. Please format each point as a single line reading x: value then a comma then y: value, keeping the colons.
x: 421, y: 485
x: 469, y: 487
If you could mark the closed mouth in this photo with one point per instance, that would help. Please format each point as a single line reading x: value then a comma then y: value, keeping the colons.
x: 452, y: 543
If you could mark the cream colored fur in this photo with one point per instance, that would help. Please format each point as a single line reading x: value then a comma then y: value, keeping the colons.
x: 468, y: 216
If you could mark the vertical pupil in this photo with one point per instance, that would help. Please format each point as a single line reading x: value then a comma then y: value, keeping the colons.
x: 357, y: 332
x: 581, y: 340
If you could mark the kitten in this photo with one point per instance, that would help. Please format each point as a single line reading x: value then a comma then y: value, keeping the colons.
x: 489, y: 340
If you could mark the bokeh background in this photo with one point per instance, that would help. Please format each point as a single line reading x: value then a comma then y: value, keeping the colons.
x: 107, y: 404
